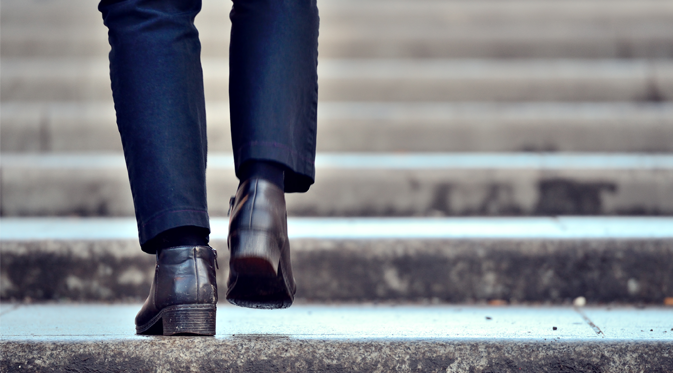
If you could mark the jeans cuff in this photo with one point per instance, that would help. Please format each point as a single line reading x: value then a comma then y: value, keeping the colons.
x: 166, y: 220
x: 301, y: 166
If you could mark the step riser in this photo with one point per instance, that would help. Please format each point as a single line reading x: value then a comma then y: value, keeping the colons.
x: 634, y: 88
x: 383, y: 80
x: 327, y: 270
x: 368, y: 192
x: 242, y: 353
x: 439, y: 46
x: 352, y: 127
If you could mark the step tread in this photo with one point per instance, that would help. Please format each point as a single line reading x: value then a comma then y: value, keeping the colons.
x: 345, y: 338
x: 476, y: 228
x: 82, y: 322
x: 458, y: 11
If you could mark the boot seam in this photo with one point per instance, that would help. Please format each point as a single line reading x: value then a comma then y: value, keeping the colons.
x: 252, y: 204
x: 157, y: 268
x: 196, y: 274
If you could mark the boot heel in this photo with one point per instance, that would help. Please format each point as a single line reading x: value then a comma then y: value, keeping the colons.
x: 254, y: 254
x: 189, y: 320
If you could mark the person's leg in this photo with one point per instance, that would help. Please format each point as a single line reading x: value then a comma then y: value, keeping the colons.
x: 273, y: 87
x: 273, y: 94
x: 157, y: 86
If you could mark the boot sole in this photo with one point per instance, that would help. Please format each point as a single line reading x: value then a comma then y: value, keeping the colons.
x: 258, y: 289
x: 184, y: 319
x: 257, y: 279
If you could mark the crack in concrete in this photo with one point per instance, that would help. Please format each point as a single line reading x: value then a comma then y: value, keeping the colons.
x: 591, y: 324
x: 13, y: 308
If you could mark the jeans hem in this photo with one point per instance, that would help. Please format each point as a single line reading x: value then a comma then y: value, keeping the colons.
x: 301, y: 167
x: 171, y: 219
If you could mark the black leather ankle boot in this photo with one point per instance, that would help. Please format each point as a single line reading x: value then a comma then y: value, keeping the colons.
x: 183, y: 296
x: 260, y: 272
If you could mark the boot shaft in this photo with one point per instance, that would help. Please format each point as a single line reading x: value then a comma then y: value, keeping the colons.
x: 185, y: 275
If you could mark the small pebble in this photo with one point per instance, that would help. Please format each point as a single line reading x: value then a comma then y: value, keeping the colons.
x: 580, y: 302
x: 651, y: 330
x: 488, y: 317
x: 555, y: 328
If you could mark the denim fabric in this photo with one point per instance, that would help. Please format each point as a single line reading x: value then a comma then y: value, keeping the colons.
x: 157, y: 86
x: 273, y: 85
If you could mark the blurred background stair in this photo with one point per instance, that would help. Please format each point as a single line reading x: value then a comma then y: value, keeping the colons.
x: 556, y: 108
x: 458, y: 144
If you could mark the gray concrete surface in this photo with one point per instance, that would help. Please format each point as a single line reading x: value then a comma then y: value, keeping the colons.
x: 378, y: 127
x: 344, y: 338
x: 373, y: 184
x: 389, y: 29
x: 627, y: 260
x: 313, y: 321
x: 81, y: 79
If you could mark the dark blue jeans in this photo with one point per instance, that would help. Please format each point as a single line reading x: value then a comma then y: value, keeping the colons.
x: 157, y: 86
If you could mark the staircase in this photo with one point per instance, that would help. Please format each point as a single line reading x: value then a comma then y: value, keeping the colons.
x: 482, y: 166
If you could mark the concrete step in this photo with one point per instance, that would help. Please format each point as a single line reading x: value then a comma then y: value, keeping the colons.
x: 86, y: 79
x: 374, y: 184
x: 92, y: 337
x: 60, y: 12
x: 378, y: 127
x: 392, y: 41
x: 390, y: 29
x: 511, y: 260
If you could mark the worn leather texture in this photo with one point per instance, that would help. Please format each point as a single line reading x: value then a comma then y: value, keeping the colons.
x: 183, y: 275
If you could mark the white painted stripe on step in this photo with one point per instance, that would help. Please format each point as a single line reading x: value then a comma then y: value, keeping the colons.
x: 561, y: 228
x: 388, y: 161
x: 495, y: 161
x: 67, y: 229
x: 484, y: 228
